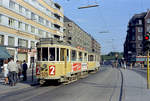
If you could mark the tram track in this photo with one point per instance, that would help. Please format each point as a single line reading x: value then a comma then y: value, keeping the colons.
x: 106, y: 81
x: 122, y: 85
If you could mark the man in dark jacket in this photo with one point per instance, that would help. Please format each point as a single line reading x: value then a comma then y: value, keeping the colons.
x: 24, y: 72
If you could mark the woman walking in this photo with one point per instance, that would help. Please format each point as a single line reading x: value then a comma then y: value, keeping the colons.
x: 6, y: 71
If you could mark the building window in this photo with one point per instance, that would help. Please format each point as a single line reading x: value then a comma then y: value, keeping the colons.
x: 32, y: 44
x: 32, y: 29
x: 11, y: 22
x: 26, y: 27
x: 20, y: 25
x: 140, y: 37
x: 148, y: 28
x: 140, y: 29
x: 133, y: 45
x: 22, y: 43
x: 1, y: 39
x: 41, y: 20
x: 47, y: 34
x: 11, y: 41
x: 133, y: 30
x: 47, y: 23
x: 40, y: 32
x: 20, y: 8
x: 133, y: 37
x: 33, y: 16
x: 11, y: 4
x: 27, y: 12
x: 148, y: 20
x: 140, y: 22
x: 139, y: 46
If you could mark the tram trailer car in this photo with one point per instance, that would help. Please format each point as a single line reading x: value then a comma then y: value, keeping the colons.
x: 64, y: 63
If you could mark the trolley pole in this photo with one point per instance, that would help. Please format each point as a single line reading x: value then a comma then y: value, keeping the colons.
x: 148, y: 81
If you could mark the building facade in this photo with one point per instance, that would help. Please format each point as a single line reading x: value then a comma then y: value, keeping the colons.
x: 23, y: 22
x: 77, y: 37
x: 138, y: 26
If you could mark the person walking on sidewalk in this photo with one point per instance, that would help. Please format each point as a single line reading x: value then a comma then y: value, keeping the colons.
x: 24, y: 72
x: 12, y: 67
x: 6, y: 71
x: 19, y: 70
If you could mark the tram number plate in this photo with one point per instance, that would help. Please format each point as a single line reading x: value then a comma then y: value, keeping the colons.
x: 52, y: 70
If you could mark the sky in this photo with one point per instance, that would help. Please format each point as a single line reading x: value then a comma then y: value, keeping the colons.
x: 111, y: 16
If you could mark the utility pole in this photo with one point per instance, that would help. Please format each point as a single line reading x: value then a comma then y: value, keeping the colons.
x: 147, y: 48
x: 148, y: 81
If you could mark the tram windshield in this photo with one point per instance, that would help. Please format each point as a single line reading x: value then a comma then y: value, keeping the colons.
x: 46, y: 54
x: 51, y: 54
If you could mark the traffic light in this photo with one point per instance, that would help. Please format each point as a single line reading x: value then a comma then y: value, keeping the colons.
x: 147, y: 41
x: 147, y: 36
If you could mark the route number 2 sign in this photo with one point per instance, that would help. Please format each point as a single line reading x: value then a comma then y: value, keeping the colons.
x: 52, y: 70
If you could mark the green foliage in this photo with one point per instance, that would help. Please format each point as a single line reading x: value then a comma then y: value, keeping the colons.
x: 111, y: 56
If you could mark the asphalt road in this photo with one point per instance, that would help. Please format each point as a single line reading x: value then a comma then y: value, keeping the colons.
x: 105, y: 85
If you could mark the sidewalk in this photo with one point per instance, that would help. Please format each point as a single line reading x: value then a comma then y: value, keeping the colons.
x: 135, y: 86
x: 20, y: 85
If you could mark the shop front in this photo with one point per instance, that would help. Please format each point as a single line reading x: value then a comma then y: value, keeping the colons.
x: 22, y: 54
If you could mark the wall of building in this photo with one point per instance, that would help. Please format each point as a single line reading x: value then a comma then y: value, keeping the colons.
x: 23, y: 22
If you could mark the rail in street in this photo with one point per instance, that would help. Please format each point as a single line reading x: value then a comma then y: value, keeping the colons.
x: 103, y: 86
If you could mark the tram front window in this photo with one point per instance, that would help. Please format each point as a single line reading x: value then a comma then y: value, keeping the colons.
x: 44, y: 54
x: 51, y: 54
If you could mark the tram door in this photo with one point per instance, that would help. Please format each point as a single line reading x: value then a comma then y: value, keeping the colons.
x: 63, y: 57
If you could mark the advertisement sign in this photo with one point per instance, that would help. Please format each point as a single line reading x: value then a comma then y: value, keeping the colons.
x: 84, y: 66
x: 52, y: 70
x: 76, y: 67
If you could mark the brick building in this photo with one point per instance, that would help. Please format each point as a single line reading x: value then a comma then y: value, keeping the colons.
x: 138, y: 26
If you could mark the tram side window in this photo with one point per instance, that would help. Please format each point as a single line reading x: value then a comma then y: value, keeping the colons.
x: 67, y: 54
x: 62, y: 50
x: 85, y: 57
x: 73, y: 55
x: 57, y: 54
x: 80, y: 56
x: 44, y: 54
x: 39, y: 54
x: 51, y: 54
x: 90, y: 58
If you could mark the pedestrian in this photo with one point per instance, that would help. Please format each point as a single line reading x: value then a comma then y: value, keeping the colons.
x: 6, y: 71
x: 12, y: 67
x: 19, y: 71
x: 24, y: 70
x: 125, y: 66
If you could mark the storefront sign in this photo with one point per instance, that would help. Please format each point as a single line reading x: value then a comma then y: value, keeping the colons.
x: 22, y: 50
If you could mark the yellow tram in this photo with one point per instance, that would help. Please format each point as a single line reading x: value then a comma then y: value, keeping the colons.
x: 64, y: 63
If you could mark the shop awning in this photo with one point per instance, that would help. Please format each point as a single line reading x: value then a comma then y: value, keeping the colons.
x: 4, y: 53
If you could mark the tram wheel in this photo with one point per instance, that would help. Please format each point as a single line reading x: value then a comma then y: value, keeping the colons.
x: 42, y: 82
